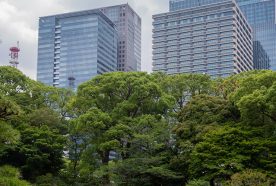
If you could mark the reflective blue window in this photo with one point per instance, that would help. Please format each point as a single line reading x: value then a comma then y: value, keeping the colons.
x: 261, y: 16
x: 75, y: 47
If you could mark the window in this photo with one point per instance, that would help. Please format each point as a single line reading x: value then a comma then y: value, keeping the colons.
x: 174, y: 23
x: 185, y: 21
x: 198, y: 19
x: 160, y: 26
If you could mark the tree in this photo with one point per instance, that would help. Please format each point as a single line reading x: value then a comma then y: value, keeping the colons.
x: 31, y: 95
x: 8, y: 110
x: 226, y: 151
x: 7, y: 134
x: 198, y: 183
x: 11, y: 176
x: 148, y: 161
x: 184, y: 86
x: 203, y: 113
x: 139, y: 129
x: 49, y: 180
x: 258, y: 107
x: 250, y: 178
x: 114, y: 108
x: 13, y: 82
x: 251, y: 81
x: 39, y: 151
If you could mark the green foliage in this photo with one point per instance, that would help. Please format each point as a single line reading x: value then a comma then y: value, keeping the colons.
x: 139, y: 129
x: 205, y: 109
x: 12, y: 81
x: 39, y: 152
x: 7, y: 171
x: 202, y: 114
x: 32, y: 124
x: 44, y: 116
x: 144, y: 171
x: 184, y: 86
x: 10, y: 176
x: 120, y: 113
x: 198, y: 183
x: 226, y: 151
x: 250, y: 178
x: 8, y: 110
x: 7, y: 134
x: 215, y: 142
x: 49, y: 180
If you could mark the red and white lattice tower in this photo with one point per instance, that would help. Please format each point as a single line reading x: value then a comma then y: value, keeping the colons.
x: 14, y: 51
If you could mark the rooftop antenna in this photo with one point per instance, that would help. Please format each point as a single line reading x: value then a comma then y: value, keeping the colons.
x: 14, y: 51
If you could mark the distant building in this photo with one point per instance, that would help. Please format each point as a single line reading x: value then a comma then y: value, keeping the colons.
x: 261, y: 16
x: 260, y: 57
x: 214, y: 39
x: 128, y: 24
x: 74, y: 47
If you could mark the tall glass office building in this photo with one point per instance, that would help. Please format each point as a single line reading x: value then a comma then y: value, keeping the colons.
x: 128, y: 24
x: 214, y: 39
x: 260, y: 56
x: 261, y: 16
x: 74, y: 47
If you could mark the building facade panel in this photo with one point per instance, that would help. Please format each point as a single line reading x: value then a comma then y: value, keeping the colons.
x: 261, y: 58
x: 183, y: 4
x: 128, y: 24
x: 75, y: 47
x: 261, y: 16
x: 214, y: 39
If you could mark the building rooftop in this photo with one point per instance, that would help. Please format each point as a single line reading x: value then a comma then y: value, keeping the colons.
x: 81, y: 13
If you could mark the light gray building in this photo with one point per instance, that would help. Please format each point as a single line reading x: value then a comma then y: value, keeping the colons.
x: 128, y: 24
x: 74, y: 47
x: 183, y: 4
x: 214, y: 39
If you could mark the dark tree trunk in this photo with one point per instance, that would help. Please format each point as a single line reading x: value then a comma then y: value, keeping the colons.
x: 105, y: 157
x: 212, y: 182
x: 105, y: 160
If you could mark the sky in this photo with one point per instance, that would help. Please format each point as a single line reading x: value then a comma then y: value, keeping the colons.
x: 19, y: 22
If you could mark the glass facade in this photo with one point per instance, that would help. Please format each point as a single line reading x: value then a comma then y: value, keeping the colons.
x: 261, y: 58
x: 214, y: 39
x: 75, y: 47
x: 129, y: 36
x: 261, y: 16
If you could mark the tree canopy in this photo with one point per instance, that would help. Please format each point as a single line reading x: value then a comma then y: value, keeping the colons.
x: 134, y: 128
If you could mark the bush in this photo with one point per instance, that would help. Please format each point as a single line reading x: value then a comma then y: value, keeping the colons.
x: 9, y: 176
x: 198, y: 183
x: 249, y: 178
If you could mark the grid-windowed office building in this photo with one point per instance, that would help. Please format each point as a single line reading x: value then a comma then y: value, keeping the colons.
x: 214, y: 39
x: 183, y: 4
x: 261, y: 16
x: 128, y: 24
x: 74, y: 47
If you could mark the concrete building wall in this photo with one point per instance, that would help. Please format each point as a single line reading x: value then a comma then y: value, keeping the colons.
x: 214, y: 39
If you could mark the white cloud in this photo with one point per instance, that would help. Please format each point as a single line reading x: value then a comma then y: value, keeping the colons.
x: 6, y: 11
